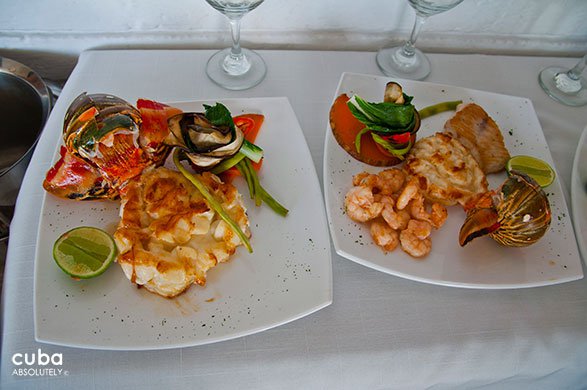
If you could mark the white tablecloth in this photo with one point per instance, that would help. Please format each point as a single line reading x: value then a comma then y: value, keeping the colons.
x: 381, y: 331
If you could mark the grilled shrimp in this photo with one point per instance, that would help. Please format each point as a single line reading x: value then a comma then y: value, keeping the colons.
x: 386, y: 182
x: 391, y: 180
x: 438, y: 215
x: 365, y: 179
x: 384, y: 236
x: 415, y: 239
x: 418, y: 210
x: 360, y: 204
x: 396, y: 219
x: 409, y: 192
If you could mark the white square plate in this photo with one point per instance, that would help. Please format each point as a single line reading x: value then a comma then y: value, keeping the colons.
x: 482, y: 263
x: 288, y: 276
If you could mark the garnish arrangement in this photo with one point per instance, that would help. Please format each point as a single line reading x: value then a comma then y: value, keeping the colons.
x: 213, y: 142
x: 380, y: 133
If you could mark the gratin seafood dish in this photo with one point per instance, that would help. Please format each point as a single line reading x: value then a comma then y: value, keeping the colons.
x: 168, y: 236
x: 453, y: 173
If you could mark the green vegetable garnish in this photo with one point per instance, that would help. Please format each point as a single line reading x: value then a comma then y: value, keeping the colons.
x: 438, y: 108
x: 214, y: 204
x: 219, y: 115
x: 220, y: 118
x: 227, y: 163
x: 252, y: 151
x: 384, y: 117
x: 358, y: 138
x: 257, y: 192
x: 399, y: 153
x: 387, y: 118
x: 247, y: 150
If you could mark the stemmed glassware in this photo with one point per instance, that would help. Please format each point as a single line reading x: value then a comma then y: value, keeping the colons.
x: 565, y: 85
x: 406, y: 61
x: 235, y: 68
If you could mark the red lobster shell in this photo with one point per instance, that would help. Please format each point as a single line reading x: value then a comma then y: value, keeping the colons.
x: 107, y: 142
x: 517, y: 215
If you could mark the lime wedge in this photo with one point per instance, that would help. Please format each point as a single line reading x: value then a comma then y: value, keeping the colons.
x: 533, y: 167
x: 84, y: 252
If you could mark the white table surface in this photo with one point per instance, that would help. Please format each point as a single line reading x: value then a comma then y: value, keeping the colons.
x: 381, y: 331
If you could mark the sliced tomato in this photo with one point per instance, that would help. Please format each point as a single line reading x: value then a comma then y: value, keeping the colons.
x: 402, y: 138
x: 250, y: 124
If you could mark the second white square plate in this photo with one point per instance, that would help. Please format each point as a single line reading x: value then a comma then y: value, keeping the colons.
x: 482, y: 263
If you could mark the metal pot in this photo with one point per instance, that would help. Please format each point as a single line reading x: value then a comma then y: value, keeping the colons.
x: 25, y: 103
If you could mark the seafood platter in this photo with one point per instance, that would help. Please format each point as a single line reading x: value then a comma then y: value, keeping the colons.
x: 438, y: 184
x: 209, y: 243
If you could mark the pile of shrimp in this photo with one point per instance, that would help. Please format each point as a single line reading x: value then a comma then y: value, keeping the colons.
x: 396, y: 209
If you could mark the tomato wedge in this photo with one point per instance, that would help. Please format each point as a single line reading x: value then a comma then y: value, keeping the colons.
x: 402, y: 138
x: 250, y: 125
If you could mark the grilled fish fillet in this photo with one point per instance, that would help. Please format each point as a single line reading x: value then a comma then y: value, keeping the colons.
x: 168, y: 236
x: 447, y: 173
x: 479, y: 133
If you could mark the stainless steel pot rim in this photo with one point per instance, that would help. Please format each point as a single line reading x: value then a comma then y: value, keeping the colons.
x: 24, y: 73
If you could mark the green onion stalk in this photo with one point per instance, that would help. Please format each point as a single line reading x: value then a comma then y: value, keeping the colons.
x: 438, y: 108
x: 257, y: 192
x: 214, y: 204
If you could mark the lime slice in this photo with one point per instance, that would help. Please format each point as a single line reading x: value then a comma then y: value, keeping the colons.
x: 84, y: 252
x: 533, y: 167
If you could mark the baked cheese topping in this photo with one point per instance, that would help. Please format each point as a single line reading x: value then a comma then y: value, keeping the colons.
x: 168, y: 236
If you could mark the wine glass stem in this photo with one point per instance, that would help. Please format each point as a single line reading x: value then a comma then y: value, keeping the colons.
x: 409, y: 49
x: 235, y: 31
x: 236, y: 63
x: 575, y: 73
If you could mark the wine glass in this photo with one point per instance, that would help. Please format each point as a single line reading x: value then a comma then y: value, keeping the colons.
x: 235, y: 68
x: 565, y: 85
x: 406, y: 61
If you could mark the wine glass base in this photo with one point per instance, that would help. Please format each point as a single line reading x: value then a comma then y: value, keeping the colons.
x: 392, y: 62
x: 547, y: 81
x: 216, y: 72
